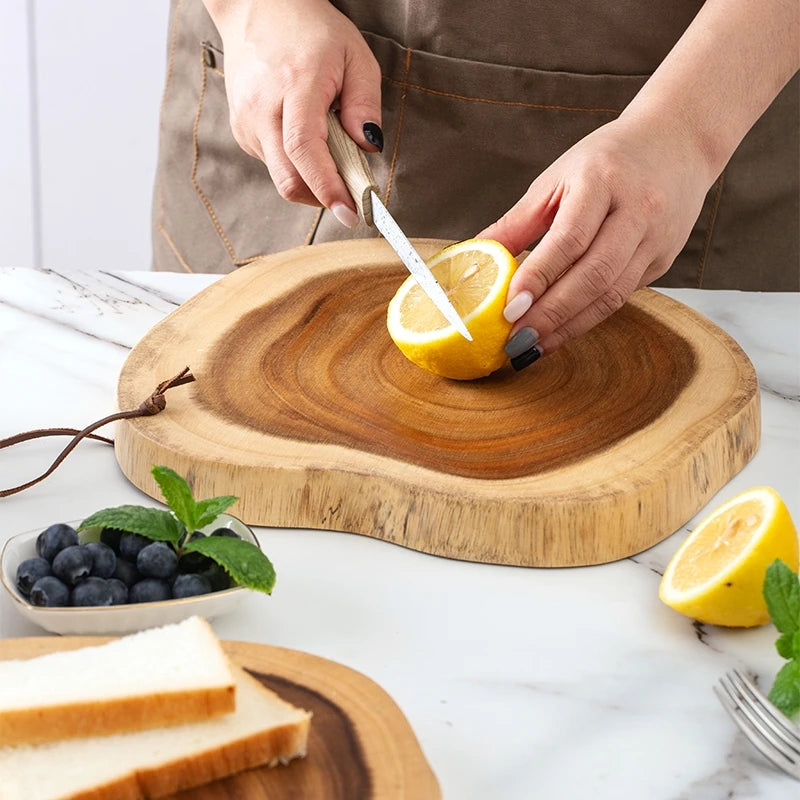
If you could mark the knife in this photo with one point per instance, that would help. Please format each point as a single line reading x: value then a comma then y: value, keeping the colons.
x: 357, y: 175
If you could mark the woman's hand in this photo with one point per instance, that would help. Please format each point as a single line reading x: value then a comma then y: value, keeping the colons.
x: 612, y: 213
x: 285, y: 66
x: 615, y: 209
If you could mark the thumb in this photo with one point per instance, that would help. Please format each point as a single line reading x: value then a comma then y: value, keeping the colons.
x: 525, y: 222
x: 360, y: 102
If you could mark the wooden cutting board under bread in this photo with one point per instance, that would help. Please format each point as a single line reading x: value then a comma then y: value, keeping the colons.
x: 360, y: 745
x: 304, y: 409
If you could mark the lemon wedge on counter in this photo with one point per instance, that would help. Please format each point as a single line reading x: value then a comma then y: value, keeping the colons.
x: 717, y: 575
x: 474, y: 274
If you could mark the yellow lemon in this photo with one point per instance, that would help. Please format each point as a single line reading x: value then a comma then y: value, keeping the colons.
x: 717, y: 575
x: 475, y: 275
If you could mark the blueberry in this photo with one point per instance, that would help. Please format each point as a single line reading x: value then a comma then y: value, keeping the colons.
x: 104, y: 561
x: 130, y: 544
x: 195, y: 535
x: 149, y: 590
x: 91, y: 592
x: 126, y: 572
x: 72, y: 564
x: 54, y: 539
x: 111, y: 537
x: 217, y: 577
x: 231, y: 534
x: 29, y: 571
x: 119, y: 592
x: 190, y: 585
x: 194, y: 563
x: 157, y: 560
x: 49, y: 591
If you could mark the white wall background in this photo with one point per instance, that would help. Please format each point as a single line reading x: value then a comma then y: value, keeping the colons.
x: 80, y: 89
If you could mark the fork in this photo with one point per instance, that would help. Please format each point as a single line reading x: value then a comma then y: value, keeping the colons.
x: 769, y: 730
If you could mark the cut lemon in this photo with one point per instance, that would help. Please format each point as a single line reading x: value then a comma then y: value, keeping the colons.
x: 717, y: 575
x: 474, y: 274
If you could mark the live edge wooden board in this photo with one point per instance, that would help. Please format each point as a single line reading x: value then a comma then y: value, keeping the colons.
x: 304, y: 408
x: 360, y: 745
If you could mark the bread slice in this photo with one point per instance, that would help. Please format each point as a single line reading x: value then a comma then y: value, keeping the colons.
x: 264, y: 730
x: 160, y: 676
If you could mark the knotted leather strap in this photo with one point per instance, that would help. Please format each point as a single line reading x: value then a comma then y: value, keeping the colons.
x: 153, y: 404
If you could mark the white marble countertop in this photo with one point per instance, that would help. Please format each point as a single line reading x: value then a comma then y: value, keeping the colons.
x: 519, y: 683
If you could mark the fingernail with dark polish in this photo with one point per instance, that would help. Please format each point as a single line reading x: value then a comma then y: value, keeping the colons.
x: 526, y: 359
x: 522, y: 340
x: 373, y: 134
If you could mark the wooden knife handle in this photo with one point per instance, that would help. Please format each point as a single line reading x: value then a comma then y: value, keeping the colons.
x: 352, y: 164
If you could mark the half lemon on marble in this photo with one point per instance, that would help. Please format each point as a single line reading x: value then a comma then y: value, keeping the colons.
x: 717, y: 574
x: 475, y: 275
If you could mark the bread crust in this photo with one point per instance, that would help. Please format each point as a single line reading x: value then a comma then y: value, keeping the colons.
x: 117, y: 715
x: 279, y: 744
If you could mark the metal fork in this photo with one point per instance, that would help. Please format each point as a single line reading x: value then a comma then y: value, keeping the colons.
x: 769, y: 730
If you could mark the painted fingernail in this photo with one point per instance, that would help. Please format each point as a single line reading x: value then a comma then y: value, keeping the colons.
x: 526, y: 359
x: 373, y: 134
x: 345, y: 215
x: 522, y: 340
x: 518, y: 306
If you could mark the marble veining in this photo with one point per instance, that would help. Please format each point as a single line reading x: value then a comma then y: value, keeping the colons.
x: 519, y: 683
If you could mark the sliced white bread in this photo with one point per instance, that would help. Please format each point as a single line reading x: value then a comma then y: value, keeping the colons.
x: 161, y: 676
x: 264, y: 730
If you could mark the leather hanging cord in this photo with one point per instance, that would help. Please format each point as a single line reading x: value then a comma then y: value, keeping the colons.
x: 153, y: 404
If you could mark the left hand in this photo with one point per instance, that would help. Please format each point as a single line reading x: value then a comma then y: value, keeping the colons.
x: 612, y: 212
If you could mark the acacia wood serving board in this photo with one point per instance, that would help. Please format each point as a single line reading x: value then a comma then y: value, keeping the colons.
x: 360, y: 745
x: 305, y: 410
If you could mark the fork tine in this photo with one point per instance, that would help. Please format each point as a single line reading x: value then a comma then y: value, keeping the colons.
x: 753, y: 735
x: 756, y: 730
x: 778, y: 722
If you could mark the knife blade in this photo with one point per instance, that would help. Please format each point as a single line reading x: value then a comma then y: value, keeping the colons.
x: 355, y: 171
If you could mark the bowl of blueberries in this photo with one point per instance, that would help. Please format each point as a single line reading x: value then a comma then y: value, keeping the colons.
x: 107, y: 581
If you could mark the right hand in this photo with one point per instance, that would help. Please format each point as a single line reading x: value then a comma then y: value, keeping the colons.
x: 286, y: 64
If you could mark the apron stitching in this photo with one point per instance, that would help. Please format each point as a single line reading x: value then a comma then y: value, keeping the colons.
x: 513, y: 103
x: 712, y: 216
x: 312, y: 228
x: 172, y: 47
x: 400, y: 118
x: 167, y: 84
x: 237, y: 262
x: 173, y: 247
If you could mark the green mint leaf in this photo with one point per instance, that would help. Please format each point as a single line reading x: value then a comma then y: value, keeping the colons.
x: 243, y: 561
x: 153, y: 523
x: 782, y: 593
x: 785, y: 692
x: 208, y: 510
x: 178, y: 495
x: 786, y: 645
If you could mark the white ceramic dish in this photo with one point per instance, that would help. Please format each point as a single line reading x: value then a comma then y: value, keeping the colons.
x: 111, y: 620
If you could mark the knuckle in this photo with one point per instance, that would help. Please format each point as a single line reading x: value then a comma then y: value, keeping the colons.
x: 652, y: 202
x: 601, y: 274
x: 290, y: 187
x: 570, y: 242
x: 611, y: 301
x: 552, y: 315
x: 295, y: 142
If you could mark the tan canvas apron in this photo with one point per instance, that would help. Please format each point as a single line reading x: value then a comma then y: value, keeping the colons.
x: 478, y: 98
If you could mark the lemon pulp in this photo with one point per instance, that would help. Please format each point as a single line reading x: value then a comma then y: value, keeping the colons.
x: 474, y: 274
x: 717, y: 575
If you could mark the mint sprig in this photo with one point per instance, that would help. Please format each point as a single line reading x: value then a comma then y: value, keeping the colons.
x: 242, y: 560
x: 782, y: 594
x: 178, y: 495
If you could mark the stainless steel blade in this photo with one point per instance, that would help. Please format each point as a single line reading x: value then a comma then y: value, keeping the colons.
x: 391, y: 231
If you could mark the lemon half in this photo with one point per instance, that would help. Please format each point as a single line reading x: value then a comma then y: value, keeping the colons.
x: 474, y: 274
x: 717, y: 574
